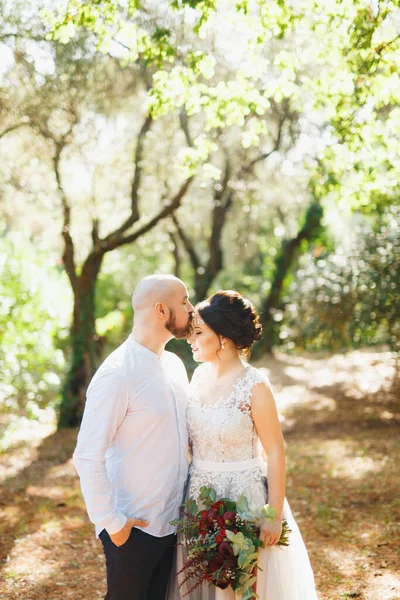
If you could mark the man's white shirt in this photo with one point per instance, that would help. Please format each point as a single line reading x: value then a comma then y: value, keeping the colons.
x: 132, y: 450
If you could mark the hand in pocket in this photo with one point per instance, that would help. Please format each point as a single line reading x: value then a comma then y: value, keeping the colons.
x: 121, y: 537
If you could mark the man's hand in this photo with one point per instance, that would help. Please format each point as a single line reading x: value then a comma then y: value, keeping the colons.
x: 122, y: 535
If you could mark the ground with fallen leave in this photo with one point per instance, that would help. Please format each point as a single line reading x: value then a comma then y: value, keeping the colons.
x: 341, y: 420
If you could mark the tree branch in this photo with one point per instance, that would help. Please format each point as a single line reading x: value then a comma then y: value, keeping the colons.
x: 222, y: 202
x: 162, y: 214
x: 95, y: 233
x: 59, y: 144
x: 223, y: 195
x: 176, y: 253
x: 184, y: 121
x: 283, y: 263
x: 13, y: 128
x: 187, y: 244
x: 69, y: 251
x: 258, y: 159
x: 144, y: 70
x: 25, y: 36
x: 247, y: 168
x: 114, y: 237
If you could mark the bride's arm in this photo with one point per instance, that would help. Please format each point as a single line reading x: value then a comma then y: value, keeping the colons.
x: 265, y: 417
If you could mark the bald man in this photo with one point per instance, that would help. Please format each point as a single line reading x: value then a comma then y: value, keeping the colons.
x: 132, y: 447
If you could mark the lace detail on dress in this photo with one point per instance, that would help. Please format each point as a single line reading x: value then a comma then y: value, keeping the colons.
x: 244, y: 389
x: 223, y: 429
x: 231, y: 484
x: 240, y: 395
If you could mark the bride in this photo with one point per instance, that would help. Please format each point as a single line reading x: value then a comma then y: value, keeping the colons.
x: 231, y: 419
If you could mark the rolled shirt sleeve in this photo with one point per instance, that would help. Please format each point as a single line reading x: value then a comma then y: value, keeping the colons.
x: 105, y: 409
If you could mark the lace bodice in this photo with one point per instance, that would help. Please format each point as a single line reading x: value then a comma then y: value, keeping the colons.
x: 223, y: 429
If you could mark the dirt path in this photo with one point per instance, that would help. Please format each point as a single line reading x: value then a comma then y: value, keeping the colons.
x: 341, y: 423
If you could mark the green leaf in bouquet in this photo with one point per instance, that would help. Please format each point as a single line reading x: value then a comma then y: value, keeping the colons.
x: 242, y: 559
x: 251, y: 581
x: 249, y: 594
x: 253, y: 556
x: 191, y: 506
x: 258, y: 543
x: 244, y: 587
x: 246, y: 557
x: 268, y: 512
x: 207, y: 495
x: 239, y: 542
x: 242, y: 583
x: 247, y: 510
x: 284, y: 539
x: 242, y: 504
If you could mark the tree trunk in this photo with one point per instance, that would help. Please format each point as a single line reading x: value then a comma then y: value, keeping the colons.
x: 283, y: 265
x: 84, y: 344
x: 202, y: 283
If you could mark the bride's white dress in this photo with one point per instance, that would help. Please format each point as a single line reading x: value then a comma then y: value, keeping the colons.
x: 227, y: 455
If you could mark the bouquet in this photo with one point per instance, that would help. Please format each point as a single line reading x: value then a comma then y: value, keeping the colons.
x: 223, y: 542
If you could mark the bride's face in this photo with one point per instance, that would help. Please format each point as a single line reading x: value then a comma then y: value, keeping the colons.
x: 204, y: 341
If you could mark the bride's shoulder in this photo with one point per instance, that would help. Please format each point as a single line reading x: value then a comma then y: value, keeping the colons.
x: 257, y: 375
x: 244, y: 388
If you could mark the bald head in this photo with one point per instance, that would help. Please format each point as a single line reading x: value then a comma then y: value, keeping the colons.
x: 153, y: 289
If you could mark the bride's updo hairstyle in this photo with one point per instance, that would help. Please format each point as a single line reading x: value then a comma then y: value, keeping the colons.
x: 227, y: 313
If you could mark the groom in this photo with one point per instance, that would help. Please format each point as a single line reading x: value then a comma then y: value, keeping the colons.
x: 132, y: 448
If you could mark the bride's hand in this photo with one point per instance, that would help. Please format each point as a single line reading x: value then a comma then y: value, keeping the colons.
x: 271, y: 532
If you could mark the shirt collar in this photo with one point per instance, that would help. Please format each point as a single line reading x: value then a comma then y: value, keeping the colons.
x: 143, y: 350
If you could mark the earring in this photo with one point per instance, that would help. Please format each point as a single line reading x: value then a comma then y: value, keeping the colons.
x: 222, y: 344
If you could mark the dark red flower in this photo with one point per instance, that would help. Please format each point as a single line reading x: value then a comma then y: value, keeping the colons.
x: 204, y: 514
x: 215, y: 563
x: 229, y: 517
x: 217, y: 504
x: 212, y: 515
x: 221, y: 522
x: 225, y: 550
x: 222, y: 583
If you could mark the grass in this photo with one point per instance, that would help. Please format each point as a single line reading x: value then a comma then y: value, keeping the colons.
x: 343, y: 449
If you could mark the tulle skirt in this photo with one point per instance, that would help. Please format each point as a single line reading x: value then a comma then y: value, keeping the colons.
x: 285, y: 572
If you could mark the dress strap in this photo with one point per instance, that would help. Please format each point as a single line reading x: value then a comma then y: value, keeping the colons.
x: 244, y: 387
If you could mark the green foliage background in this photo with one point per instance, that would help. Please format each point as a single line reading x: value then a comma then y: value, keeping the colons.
x: 307, y: 114
x: 35, y: 306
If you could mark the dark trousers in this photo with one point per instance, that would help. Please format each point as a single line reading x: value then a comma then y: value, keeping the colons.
x: 140, y: 568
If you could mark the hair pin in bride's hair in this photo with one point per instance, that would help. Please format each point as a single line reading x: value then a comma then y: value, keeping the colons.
x: 198, y: 321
